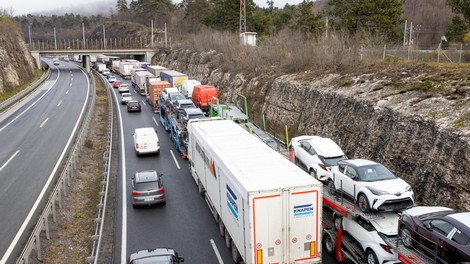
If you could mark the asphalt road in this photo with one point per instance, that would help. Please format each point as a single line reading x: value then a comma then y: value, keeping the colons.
x: 185, y: 222
x: 33, y: 135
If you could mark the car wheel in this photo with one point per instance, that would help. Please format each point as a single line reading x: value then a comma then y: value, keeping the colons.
x: 313, y: 173
x: 228, y: 239
x: 134, y: 206
x: 329, y: 244
x: 235, y: 254
x: 363, y: 203
x: 406, y: 237
x: 371, y: 257
x: 331, y: 188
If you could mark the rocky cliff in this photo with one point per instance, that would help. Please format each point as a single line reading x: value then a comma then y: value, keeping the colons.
x: 16, y: 63
x: 414, y: 118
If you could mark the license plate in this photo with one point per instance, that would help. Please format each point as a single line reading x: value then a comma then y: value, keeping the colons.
x: 148, y: 199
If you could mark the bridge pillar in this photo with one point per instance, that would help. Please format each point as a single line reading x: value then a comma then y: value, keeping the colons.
x: 35, y: 55
x: 86, y: 62
x: 149, y: 55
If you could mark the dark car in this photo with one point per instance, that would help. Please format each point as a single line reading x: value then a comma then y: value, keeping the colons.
x: 133, y: 105
x: 147, y: 188
x: 158, y: 255
x: 440, y: 232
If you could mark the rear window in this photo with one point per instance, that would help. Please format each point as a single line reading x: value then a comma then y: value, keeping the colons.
x: 147, y: 186
x: 332, y: 161
x: 196, y: 116
x: 154, y: 260
x: 187, y: 105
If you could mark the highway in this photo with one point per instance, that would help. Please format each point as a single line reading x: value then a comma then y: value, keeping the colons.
x: 185, y: 222
x: 33, y: 138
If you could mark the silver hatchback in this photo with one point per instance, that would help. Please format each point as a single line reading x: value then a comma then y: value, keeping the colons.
x: 147, y: 188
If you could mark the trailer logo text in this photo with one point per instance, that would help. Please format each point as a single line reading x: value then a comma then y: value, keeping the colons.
x: 232, y: 202
x: 303, y: 210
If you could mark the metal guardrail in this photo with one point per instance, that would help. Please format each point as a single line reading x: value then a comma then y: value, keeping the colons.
x: 34, y: 241
x: 99, y: 221
x: 18, y: 96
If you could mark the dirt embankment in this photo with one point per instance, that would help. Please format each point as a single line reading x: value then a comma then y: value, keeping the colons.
x: 414, y: 118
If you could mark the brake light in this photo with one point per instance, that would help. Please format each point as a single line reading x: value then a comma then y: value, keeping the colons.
x: 323, y: 167
x: 158, y: 143
x: 161, y: 190
x: 135, y: 193
x: 136, y: 146
x: 386, y: 248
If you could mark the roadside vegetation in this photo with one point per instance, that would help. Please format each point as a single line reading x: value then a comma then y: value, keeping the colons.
x: 10, y: 91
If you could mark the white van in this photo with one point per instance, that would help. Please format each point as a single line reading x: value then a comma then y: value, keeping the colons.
x: 146, y: 141
x: 167, y: 91
x: 187, y: 87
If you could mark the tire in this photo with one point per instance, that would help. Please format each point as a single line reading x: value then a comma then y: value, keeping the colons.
x: 221, y: 228
x: 329, y: 244
x: 371, y: 257
x: 406, y: 236
x: 228, y: 239
x: 363, y: 203
x: 331, y: 188
x: 235, y: 254
x: 313, y: 173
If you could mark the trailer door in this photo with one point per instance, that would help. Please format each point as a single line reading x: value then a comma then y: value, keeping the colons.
x: 304, y: 223
x: 268, y: 232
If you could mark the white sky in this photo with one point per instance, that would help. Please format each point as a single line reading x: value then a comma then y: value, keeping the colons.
x: 21, y: 7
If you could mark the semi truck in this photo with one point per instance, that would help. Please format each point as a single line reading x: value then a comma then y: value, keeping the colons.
x: 154, y: 92
x: 100, y: 66
x: 125, y: 69
x: 173, y: 77
x: 133, y: 71
x: 140, y: 78
x: 268, y: 210
x: 156, y: 69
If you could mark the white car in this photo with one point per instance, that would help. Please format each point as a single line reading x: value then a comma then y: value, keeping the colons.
x: 146, y: 141
x: 126, y: 97
x: 111, y: 78
x: 123, y: 88
x: 376, y: 235
x: 372, y: 185
x: 316, y: 155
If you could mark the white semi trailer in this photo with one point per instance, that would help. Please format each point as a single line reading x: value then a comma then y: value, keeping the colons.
x: 268, y: 209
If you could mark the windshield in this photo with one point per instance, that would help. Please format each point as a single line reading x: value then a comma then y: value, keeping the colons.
x: 191, y: 105
x: 124, y: 85
x: 376, y: 172
x: 126, y: 95
x: 332, y: 161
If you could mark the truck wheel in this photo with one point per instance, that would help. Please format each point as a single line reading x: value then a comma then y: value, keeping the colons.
x: 329, y: 244
x: 235, y: 254
x: 228, y: 239
x: 221, y: 228
x: 363, y: 203
x: 371, y: 257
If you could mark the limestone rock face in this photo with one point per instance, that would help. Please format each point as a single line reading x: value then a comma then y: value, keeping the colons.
x: 415, y: 119
x: 16, y: 63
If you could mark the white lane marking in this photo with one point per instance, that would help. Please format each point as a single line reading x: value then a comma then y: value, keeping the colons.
x: 71, y: 79
x: 43, y: 122
x: 13, y: 120
x: 216, y: 252
x: 177, y: 165
x: 8, y: 161
x: 46, y: 186
x: 124, y: 186
x: 67, y: 92
x: 70, y: 84
x: 155, y: 121
x: 143, y: 102
x: 59, y: 103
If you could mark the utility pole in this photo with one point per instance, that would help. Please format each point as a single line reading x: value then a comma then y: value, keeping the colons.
x: 242, y: 16
x: 29, y: 29
x: 151, y: 43
x: 55, y: 40
x: 166, y: 39
x: 83, y: 29
x: 404, y: 34
x: 104, y: 37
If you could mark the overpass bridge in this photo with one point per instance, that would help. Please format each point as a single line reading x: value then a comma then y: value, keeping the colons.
x: 142, y: 54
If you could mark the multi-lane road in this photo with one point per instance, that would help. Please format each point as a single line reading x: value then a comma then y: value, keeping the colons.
x: 33, y: 137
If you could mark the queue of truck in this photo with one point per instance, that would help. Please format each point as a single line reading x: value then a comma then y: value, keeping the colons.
x: 265, y: 217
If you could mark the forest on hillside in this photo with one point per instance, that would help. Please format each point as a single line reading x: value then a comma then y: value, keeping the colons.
x: 426, y: 20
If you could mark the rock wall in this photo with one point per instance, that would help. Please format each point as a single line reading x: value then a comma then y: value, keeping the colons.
x: 422, y: 135
x: 16, y: 63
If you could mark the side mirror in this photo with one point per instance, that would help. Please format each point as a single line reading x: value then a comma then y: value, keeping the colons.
x: 180, y: 259
x: 427, y: 225
x: 160, y: 174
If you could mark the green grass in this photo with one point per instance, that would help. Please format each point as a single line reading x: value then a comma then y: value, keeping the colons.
x: 14, y: 90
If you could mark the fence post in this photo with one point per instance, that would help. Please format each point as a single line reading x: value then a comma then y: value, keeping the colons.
x: 263, y: 122
x: 287, y: 138
x: 460, y: 56
x: 385, y: 49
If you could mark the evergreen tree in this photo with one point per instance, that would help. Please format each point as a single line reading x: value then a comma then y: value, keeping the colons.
x: 121, y: 6
x: 379, y: 17
x: 461, y: 7
x: 308, y: 23
x: 456, y: 30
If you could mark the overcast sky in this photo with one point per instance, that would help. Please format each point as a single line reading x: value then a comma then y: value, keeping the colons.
x: 21, y: 7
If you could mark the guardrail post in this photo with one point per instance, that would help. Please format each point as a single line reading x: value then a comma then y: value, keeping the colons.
x: 38, y: 246
x: 54, y: 217
x: 65, y: 188
x: 46, y: 226
x: 59, y: 197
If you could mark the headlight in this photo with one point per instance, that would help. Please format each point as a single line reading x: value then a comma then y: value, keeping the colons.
x: 376, y: 192
x: 408, y: 188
